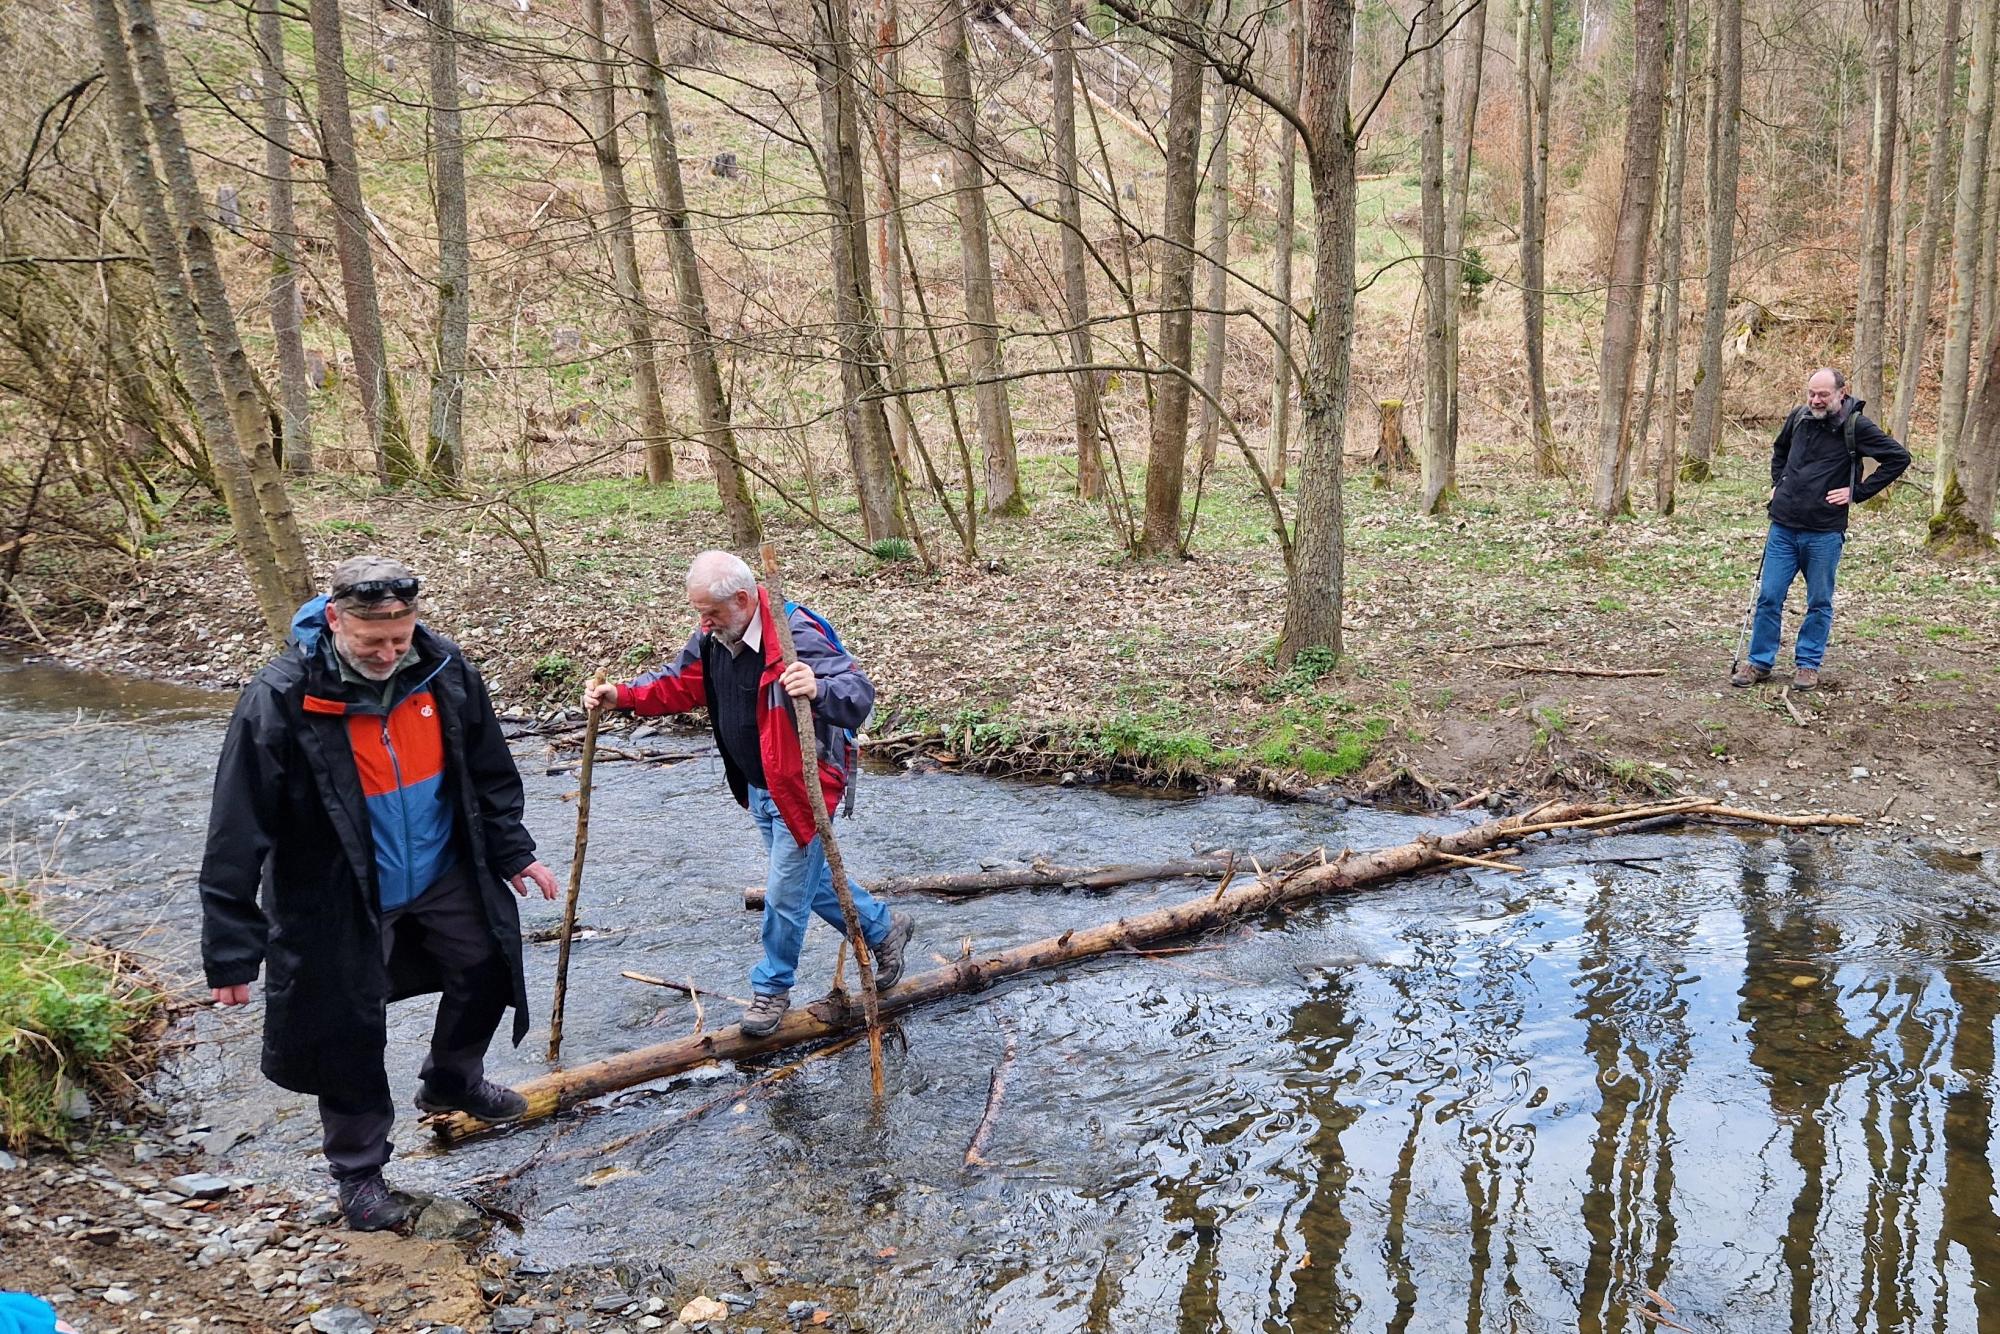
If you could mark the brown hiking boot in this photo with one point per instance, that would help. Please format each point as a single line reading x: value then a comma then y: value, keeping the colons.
x: 1806, y: 678
x: 1749, y: 674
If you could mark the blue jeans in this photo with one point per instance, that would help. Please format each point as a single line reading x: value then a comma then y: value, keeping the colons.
x: 798, y: 885
x: 1789, y: 552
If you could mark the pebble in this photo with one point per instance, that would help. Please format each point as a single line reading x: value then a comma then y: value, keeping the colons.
x: 120, y: 1296
x: 512, y: 1317
x: 703, y: 1309
x: 201, y: 1186
x: 8, y: 1162
x: 613, y: 1302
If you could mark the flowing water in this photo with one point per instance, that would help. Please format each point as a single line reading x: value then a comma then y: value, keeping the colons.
x: 1753, y: 1075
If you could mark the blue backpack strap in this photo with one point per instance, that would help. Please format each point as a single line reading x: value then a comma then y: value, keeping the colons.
x: 851, y: 762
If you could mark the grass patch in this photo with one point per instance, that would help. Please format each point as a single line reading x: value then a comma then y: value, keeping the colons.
x: 71, y: 1018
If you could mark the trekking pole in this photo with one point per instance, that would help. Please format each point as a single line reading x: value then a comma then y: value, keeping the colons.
x: 592, y: 717
x: 1750, y: 612
x: 809, y: 756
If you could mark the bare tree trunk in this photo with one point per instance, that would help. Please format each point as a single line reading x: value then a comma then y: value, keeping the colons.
x: 248, y: 408
x: 1534, y: 56
x: 281, y: 234
x: 888, y: 122
x: 1870, y: 320
x: 1435, y: 455
x: 718, y: 432
x: 1470, y: 39
x: 445, y: 450
x: 626, y: 279
x: 1979, y: 471
x: 1916, y: 329
x: 381, y: 405
x: 1969, y: 231
x: 1076, y: 278
x: 1215, y: 323
x: 866, y: 424
x: 989, y: 392
x: 1989, y: 254
x: 1668, y: 469
x: 1314, y: 595
x: 1281, y: 260
x: 1724, y: 155
x: 183, y: 326
x: 1624, y: 299
x: 1167, y: 456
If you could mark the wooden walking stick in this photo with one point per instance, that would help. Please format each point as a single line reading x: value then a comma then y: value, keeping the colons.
x: 594, y: 715
x: 809, y: 755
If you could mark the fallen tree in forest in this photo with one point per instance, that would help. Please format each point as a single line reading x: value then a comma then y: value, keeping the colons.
x: 1255, y: 893
x: 1036, y: 874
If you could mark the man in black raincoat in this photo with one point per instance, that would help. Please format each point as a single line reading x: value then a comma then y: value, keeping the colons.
x: 365, y: 791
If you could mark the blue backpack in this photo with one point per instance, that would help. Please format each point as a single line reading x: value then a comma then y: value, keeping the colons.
x: 851, y: 761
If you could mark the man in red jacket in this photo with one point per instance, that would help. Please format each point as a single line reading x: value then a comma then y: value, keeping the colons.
x: 732, y: 666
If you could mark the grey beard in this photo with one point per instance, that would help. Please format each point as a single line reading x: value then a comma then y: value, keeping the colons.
x: 1821, y: 414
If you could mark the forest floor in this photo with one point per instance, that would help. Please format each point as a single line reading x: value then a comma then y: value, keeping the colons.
x: 1057, y: 654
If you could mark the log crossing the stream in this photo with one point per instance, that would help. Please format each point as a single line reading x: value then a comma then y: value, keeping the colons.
x: 1248, y: 894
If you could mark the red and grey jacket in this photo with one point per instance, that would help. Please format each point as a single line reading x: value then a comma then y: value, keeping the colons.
x: 846, y: 696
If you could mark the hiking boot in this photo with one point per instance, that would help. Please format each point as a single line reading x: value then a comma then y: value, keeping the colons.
x: 891, y: 954
x: 370, y: 1206
x: 1749, y: 674
x: 766, y: 1009
x: 1806, y: 678
x: 490, y: 1102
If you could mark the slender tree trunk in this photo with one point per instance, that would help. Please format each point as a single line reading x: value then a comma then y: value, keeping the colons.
x: 381, y: 405
x: 888, y: 123
x: 183, y: 326
x: 626, y: 279
x: 1314, y: 595
x: 281, y: 234
x: 1906, y: 202
x: 1470, y: 40
x: 445, y: 450
x: 248, y: 408
x: 718, y: 433
x: 1436, y: 457
x: 1167, y: 456
x: 862, y: 367
x: 1534, y: 55
x: 1916, y: 329
x: 1969, y: 231
x: 1885, y: 57
x: 1989, y: 253
x: 1281, y: 260
x: 1979, y: 470
x: 1076, y: 277
x: 975, y: 254
x: 1724, y: 156
x: 1215, y: 323
x: 1624, y: 301
x: 1668, y: 469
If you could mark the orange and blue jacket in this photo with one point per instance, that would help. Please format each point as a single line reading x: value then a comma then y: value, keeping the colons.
x: 399, y: 753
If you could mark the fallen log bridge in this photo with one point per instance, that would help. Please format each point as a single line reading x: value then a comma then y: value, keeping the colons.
x: 1245, y: 896
x: 1038, y: 874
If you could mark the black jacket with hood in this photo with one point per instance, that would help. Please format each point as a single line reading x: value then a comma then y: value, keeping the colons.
x: 289, y: 825
x: 1810, y: 457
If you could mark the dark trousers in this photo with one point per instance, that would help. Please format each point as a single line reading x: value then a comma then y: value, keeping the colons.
x: 446, y: 924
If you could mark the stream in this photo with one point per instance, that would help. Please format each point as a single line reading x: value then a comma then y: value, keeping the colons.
x: 1750, y: 1073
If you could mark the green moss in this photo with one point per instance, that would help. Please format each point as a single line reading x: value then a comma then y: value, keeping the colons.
x: 70, y: 1018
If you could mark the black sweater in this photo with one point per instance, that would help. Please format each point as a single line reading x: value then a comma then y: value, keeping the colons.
x: 1810, y: 458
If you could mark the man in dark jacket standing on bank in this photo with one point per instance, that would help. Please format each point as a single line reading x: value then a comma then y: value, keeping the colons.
x: 733, y: 667
x: 1815, y: 483
x: 365, y: 788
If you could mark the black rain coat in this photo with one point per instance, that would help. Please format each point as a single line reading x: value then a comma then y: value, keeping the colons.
x: 1810, y: 457
x: 288, y: 827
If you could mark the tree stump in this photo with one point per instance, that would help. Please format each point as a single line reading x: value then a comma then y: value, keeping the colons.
x: 1392, y: 449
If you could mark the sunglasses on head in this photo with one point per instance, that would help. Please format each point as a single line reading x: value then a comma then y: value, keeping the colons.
x: 378, y: 590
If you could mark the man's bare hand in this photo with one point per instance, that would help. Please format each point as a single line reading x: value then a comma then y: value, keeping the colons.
x: 1840, y: 495
x: 799, y: 682
x: 236, y: 995
x: 544, y: 878
x: 601, y: 696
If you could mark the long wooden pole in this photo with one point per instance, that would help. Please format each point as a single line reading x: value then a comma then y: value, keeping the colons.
x: 551, y: 1093
x: 964, y: 884
x: 595, y: 716
x: 809, y: 757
